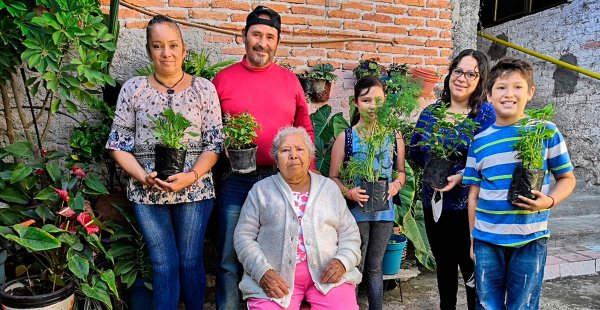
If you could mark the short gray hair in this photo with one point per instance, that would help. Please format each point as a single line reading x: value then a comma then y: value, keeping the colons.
x: 291, y: 130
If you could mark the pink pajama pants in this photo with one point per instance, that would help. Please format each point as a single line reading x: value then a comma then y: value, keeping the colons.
x: 340, y: 297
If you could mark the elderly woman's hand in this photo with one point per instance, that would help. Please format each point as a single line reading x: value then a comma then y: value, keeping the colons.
x: 334, y: 272
x: 176, y: 182
x: 273, y: 284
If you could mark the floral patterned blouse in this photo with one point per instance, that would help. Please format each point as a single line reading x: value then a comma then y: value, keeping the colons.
x: 132, y: 132
x: 300, y: 201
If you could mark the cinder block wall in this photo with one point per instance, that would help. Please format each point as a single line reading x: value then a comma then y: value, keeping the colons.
x: 570, y: 32
x: 421, y: 31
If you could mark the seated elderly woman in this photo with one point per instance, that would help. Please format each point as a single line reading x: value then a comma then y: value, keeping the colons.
x: 295, y: 237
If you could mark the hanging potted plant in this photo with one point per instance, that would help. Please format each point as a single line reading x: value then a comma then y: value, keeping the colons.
x: 240, y: 135
x: 367, y: 67
x: 533, y: 134
x: 391, y: 116
x: 58, y: 228
x: 169, y: 153
x: 322, y: 76
x: 306, y: 82
x: 428, y: 79
x: 441, y: 137
x: 394, y: 69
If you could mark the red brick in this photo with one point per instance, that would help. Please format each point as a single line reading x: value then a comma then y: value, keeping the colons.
x: 343, y: 14
x: 177, y: 14
x: 423, y: 13
x: 362, y: 6
x: 282, y: 52
x: 390, y: 9
x: 409, y: 41
x: 343, y: 55
x: 335, y: 64
x: 136, y: 24
x: 311, y: 52
x: 437, y: 23
x: 385, y: 1
x: 423, y: 51
x: 228, y: 4
x: 293, y: 1
x: 381, y: 59
x: 361, y: 46
x: 148, y: 3
x: 337, y: 46
x: 412, y: 2
x: 446, y: 14
x: 380, y: 18
x: 104, y: 2
x: 302, y: 10
x: 359, y: 26
x: 211, y: 15
x: 293, y: 62
x: 392, y: 49
x: 423, y: 33
x: 233, y: 50
x: 409, y: 21
x: 319, y: 2
x: 446, y: 34
x: 444, y: 4
x: 189, y: 3
x: 309, y: 32
x: 446, y: 52
x: 391, y: 29
x: 230, y: 26
x: 437, y: 61
x: 128, y: 13
x: 325, y: 22
x: 277, y: 7
x: 439, y: 43
x: 293, y: 20
x: 238, y: 17
x: 408, y: 60
x: 349, y: 66
x: 218, y: 38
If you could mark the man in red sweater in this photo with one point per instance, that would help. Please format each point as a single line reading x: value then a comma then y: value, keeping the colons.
x: 273, y: 95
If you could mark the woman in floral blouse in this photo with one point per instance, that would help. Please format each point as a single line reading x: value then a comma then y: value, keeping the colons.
x: 172, y: 213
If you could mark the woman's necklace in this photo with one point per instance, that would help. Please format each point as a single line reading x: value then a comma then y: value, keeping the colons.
x: 170, y: 90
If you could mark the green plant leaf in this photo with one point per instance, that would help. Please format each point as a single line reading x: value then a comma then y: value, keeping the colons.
x: 34, y: 238
x: 53, y: 171
x: 10, y: 194
x: 20, y: 172
x: 100, y: 295
x: 109, y: 278
x: 80, y: 267
x: 44, y: 213
x: 118, y: 249
x: 47, y: 194
x: 415, y: 233
x: 92, y: 181
x: 19, y: 149
x: 129, y: 278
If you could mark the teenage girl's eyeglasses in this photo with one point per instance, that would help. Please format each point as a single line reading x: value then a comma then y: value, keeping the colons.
x: 469, y: 75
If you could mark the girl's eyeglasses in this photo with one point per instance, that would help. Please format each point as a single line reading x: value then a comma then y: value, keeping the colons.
x: 469, y: 75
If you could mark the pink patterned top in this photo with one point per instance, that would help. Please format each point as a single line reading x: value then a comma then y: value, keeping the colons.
x: 300, y: 200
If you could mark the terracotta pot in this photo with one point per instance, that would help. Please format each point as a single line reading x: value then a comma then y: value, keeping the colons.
x: 427, y: 77
x: 321, y: 90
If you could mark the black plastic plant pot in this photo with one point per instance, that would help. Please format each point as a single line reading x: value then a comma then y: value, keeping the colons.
x: 437, y: 170
x: 168, y: 161
x: 378, y: 192
x: 243, y: 161
x: 523, y: 181
x: 16, y: 294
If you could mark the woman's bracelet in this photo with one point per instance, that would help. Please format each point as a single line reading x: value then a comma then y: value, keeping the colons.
x: 399, y: 182
x: 552, y: 205
x: 195, y: 174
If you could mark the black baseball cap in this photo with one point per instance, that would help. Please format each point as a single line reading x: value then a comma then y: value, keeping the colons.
x: 273, y: 21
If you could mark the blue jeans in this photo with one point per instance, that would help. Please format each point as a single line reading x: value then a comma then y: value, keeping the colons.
x: 174, y: 235
x: 374, y: 237
x: 509, y: 278
x: 232, y: 194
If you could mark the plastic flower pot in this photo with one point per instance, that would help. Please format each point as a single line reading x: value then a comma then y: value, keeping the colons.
x: 321, y: 91
x: 16, y: 295
x: 378, y: 192
x: 523, y: 181
x: 427, y: 77
x: 243, y: 161
x: 168, y: 161
x: 392, y: 259
x: 437, y: 170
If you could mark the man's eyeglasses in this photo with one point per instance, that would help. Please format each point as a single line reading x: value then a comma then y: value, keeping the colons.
x: 469, y: 75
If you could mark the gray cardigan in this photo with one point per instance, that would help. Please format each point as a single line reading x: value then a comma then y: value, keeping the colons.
x: 266, y: 235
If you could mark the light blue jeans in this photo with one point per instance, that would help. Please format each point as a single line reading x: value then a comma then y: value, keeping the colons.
x: 509, y: 278
x: 174, y: 235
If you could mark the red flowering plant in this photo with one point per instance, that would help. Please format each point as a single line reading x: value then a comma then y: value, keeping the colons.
x: 44, y: 210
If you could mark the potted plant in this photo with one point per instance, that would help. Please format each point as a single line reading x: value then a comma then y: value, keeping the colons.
x: 394, y: 69
x: 306, y: 82
x: 442, y: 137
x: 367, y: 67
x: 391, y: 117
x: 533, y: 134
x: 428, y: 79
x: 169, y: 153
x: 60, y: 231
x: 198, y: 64
x: 240, y: 134
x: 322, y: 76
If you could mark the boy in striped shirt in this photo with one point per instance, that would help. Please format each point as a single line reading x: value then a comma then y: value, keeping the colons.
x: 509, y: 240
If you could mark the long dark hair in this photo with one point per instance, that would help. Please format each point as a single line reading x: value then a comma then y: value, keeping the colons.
x: 478, y: 96
x: 363, y: 86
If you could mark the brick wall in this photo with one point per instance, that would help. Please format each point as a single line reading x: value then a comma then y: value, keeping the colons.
x: 569, y: 32
x: 420, y: 29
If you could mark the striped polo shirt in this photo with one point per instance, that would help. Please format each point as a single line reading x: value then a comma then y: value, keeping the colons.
x: 490, y: 165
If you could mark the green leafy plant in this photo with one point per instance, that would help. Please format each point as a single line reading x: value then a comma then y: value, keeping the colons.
x: 240, y: 130
x: 198, y: 63
x: 443, y: 135
x: 59, y: 229
x: 394, y: 69
x: 367, y: 67
x: 170, y: 127
x: 326, y: 129
x: 322, y: 71
x: 533, y: 132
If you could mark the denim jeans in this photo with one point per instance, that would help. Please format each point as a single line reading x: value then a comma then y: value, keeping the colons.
x: 374, y: 237
x: 232, y: 194
x: 174, y: 235
x: 509, y: 278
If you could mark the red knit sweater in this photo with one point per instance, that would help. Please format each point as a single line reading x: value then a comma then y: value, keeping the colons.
x: 272, y: 95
